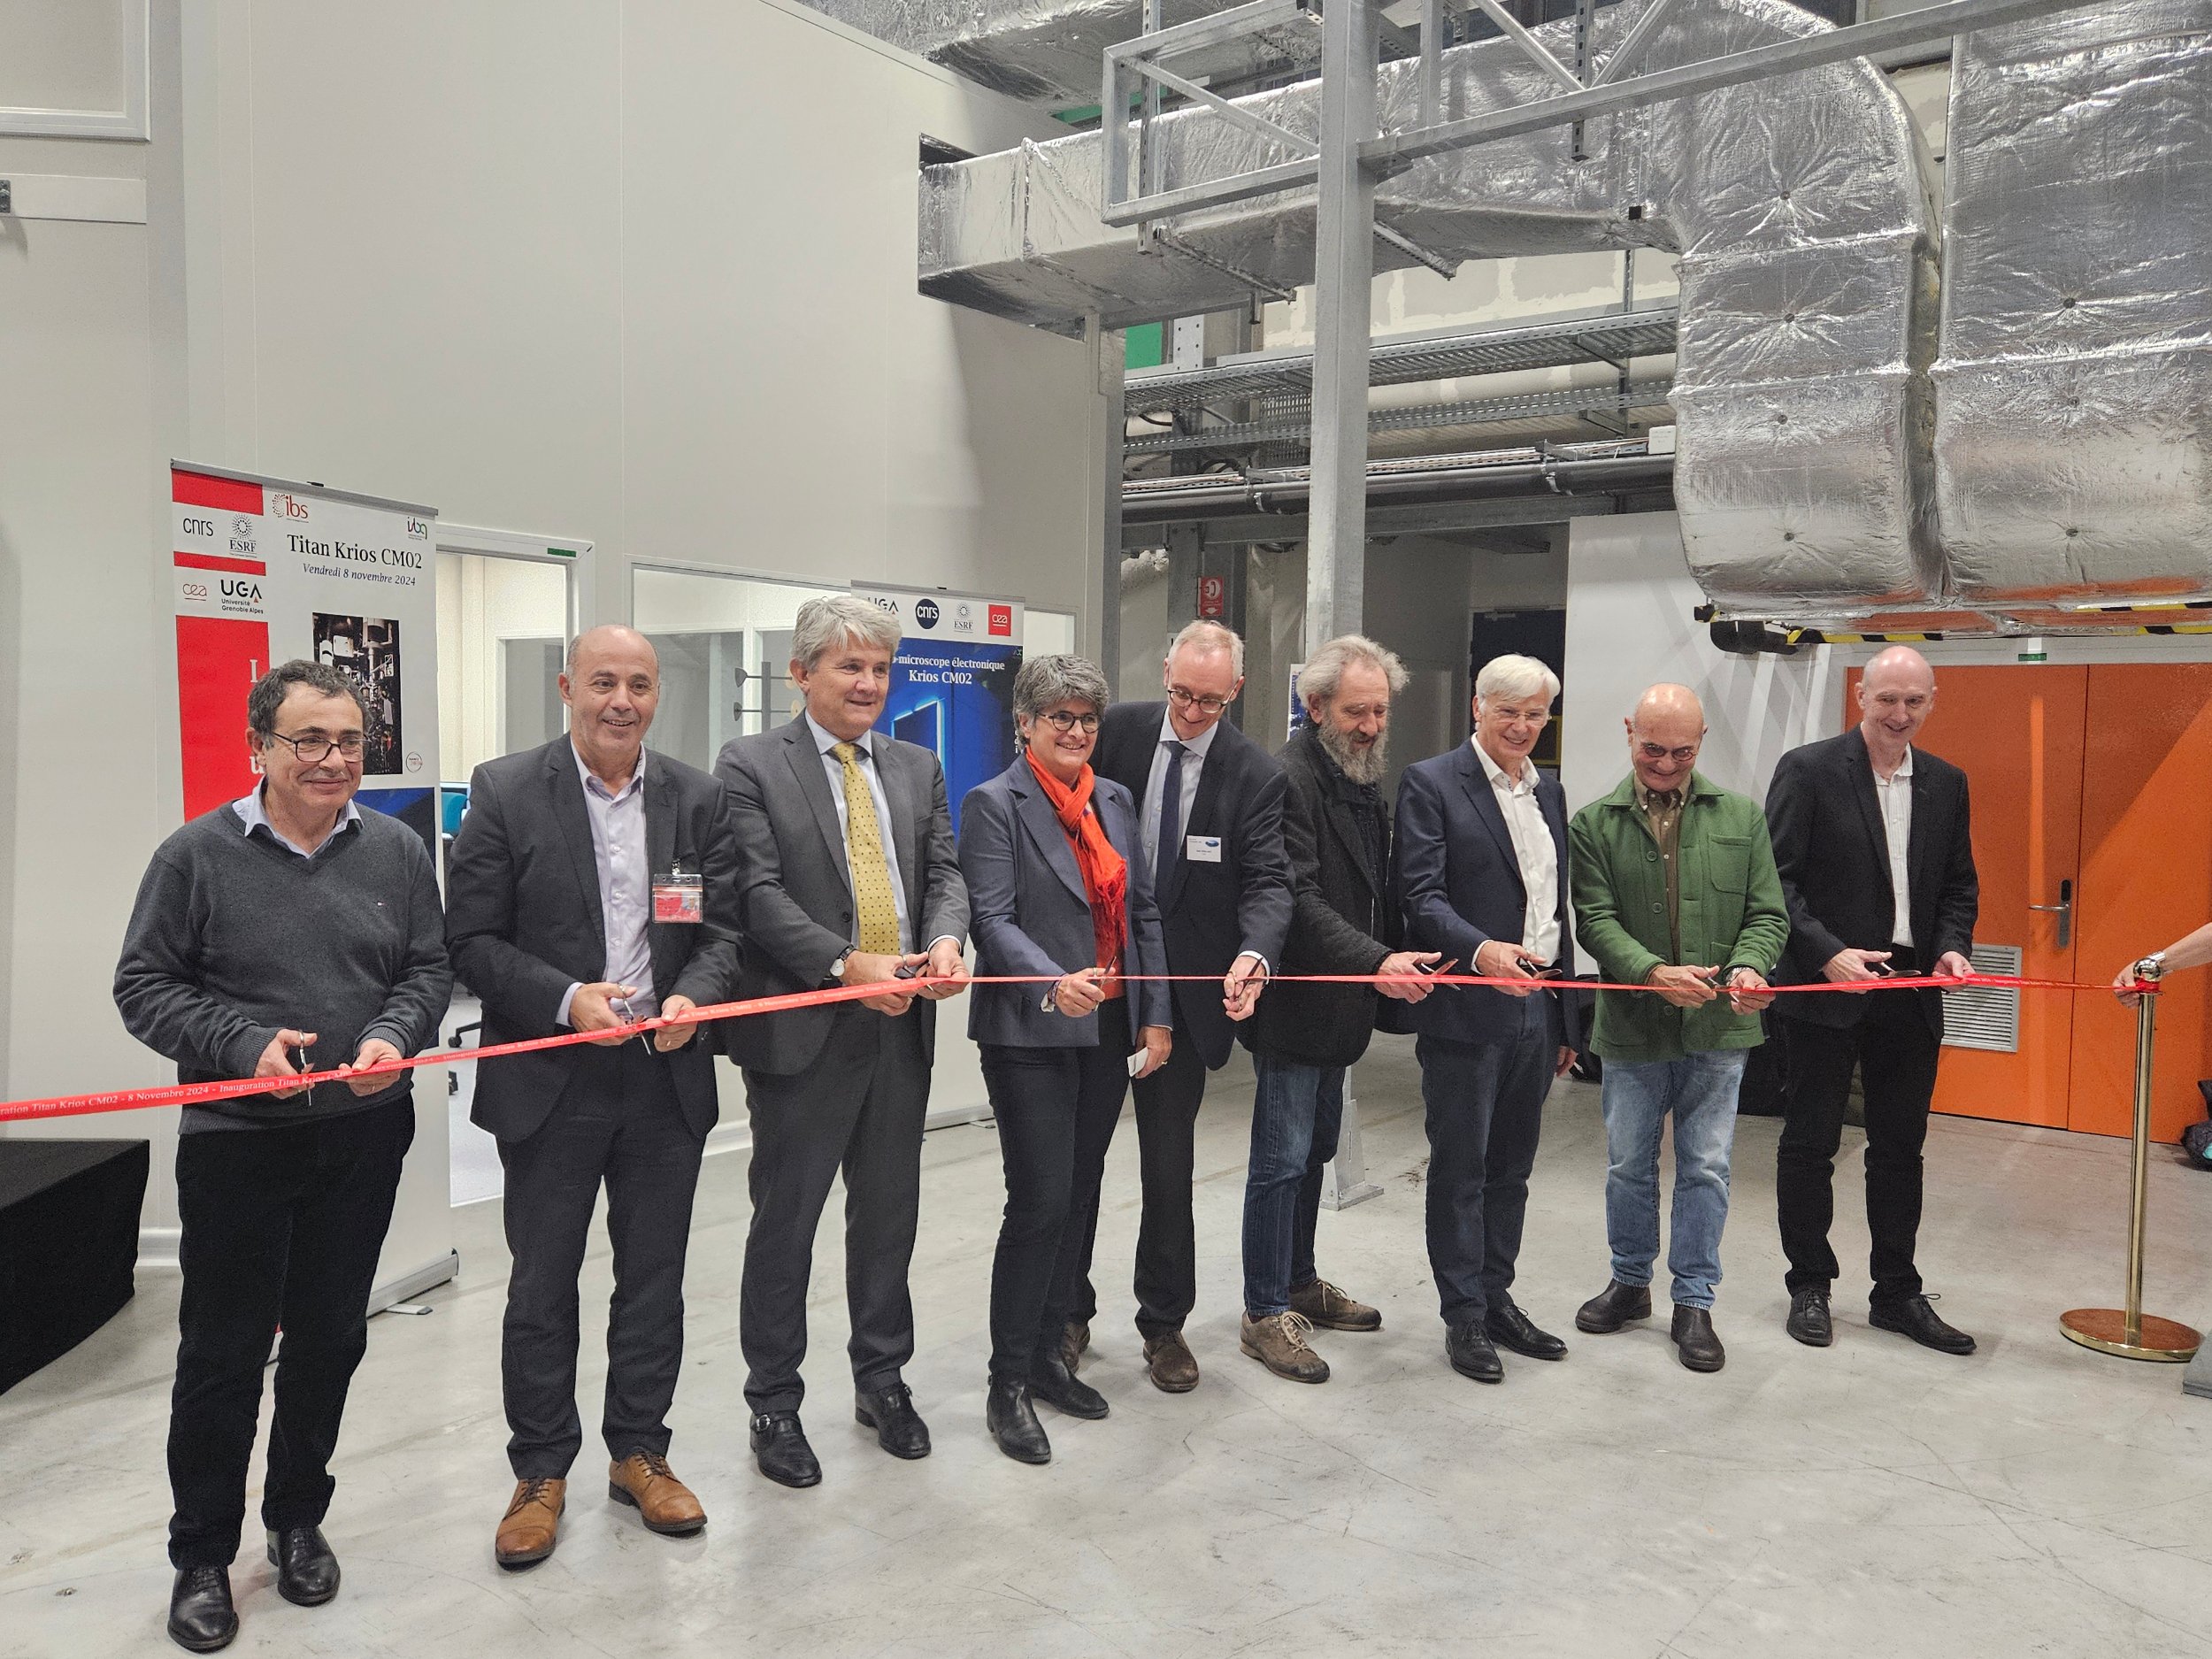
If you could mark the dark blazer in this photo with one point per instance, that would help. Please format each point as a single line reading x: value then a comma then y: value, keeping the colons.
x: 1331, y: 884
x: 1211, y: 913
x: 1832, y: 855
x: 1459, y: 881
x: 796, y: 888
x: 523, y: 921
x: 1031, y: 915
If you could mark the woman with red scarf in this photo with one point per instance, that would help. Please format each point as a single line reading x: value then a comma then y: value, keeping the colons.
x: 1057, y: 890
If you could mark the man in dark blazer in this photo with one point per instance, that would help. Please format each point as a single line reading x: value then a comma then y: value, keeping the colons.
x: 1336, y: 831
x: 1872, y: 840
x: 591, y: 884
x: 849, y: 877
x: 1482, y: 873
x: 1222, y: 882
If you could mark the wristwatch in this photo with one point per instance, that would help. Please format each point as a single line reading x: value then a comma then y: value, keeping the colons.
x: 837, y: 968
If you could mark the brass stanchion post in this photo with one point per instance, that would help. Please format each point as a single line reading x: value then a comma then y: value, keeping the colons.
x: 2129, y: 1332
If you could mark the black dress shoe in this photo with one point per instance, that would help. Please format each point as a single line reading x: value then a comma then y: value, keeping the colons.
x: 1056, y: 1384
x: 890, y: 1412
x: 1695, y: 1342
x: 201, y: 1618
x: 1808, y: 1320
x: 1014, y: 1425
x: 307, y: 1572
x: 1471, y: 1354
x: 1915, y: 1318
x: 1508, y: 1327
x: 780, y: 1450
x: 1613, y: 1307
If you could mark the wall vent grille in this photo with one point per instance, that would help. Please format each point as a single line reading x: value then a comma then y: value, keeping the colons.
x: 1983, y: 1017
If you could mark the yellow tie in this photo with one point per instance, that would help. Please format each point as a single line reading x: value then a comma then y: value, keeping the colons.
x: 864, y: 853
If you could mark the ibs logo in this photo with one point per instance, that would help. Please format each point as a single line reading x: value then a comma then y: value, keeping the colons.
x: 1002, y: 621
x: 287, y: 507
x: 926, y: 612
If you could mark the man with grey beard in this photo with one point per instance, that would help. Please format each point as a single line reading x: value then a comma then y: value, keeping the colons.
x: 1336, y: 829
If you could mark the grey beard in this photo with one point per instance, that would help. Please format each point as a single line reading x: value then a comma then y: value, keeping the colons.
x: 1365, y: 765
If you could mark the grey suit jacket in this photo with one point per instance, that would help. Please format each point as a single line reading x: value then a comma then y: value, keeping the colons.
x: 523, y: 921
x: 1031, y: 915
x: 796, y: 887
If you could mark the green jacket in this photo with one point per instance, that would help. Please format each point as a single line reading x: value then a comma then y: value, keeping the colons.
x: 1731, y: 916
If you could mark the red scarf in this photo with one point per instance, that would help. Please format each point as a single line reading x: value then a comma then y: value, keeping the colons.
x: 1105, y: 872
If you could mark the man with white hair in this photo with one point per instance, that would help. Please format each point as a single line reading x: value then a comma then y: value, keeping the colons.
x: 1336, y: 829
x: 1674, y: 888
x: 849, y: 876
x: 1210, y: 800
x: 1482, y: 873
x: 1870, y: 836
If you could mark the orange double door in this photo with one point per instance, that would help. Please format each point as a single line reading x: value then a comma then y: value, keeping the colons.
x: 2092, y: 797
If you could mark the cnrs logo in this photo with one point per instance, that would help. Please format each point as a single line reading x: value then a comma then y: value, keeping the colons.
x: 199, y: 527
x: 926, y: 612
x: 288, y: 506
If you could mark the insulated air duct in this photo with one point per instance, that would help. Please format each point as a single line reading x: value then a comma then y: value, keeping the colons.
x: 2074, y: 397
x: 1800, y: 206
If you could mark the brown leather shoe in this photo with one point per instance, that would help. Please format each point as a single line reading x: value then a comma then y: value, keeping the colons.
x: 532, y: 1522
x: 1168, y: 1361
x: 1278, y: 1342
x: 644, y: 1481
x: 1329, y: 1309
x: 1073, y: 1341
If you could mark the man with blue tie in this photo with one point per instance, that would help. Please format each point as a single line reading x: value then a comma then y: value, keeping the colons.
x: 1482, y: 872
x: 1210, y: 808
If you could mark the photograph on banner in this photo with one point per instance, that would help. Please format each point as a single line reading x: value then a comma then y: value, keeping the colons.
x: 952, y: 682
x: 266, y: 570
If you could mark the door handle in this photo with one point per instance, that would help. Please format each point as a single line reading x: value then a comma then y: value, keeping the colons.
x: 2063, y: 909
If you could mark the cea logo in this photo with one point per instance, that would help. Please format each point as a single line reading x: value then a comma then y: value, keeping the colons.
x: 926, y: 613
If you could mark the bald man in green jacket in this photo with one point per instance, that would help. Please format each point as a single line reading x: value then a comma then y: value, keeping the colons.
x: 1675, y: 889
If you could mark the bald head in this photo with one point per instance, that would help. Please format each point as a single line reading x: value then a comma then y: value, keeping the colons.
x: 1665, y: 734
x: 1896, y: 693
x: 613, y: 686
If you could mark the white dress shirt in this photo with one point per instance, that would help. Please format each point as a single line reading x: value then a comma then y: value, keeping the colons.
x: 618, y: 851
x: 1193, y: 763
x: 1893, y: 794
x: 1533, y: 850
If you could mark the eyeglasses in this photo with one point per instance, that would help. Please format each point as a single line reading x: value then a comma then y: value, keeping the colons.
x: 1680, y: 756
x: 1067, y: 720
x: 1183, y: 699
x: 312, y: 751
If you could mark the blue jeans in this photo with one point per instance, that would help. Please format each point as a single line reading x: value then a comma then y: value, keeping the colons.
x: 1296, y: 1112
x: 1700, y: 1090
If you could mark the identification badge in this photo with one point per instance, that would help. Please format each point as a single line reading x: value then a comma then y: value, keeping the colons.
x: 679, y: 896
x: 1202, y: 850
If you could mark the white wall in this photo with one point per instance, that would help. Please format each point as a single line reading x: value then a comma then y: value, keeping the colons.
x: 638, y: 271
x: 1629, y: 626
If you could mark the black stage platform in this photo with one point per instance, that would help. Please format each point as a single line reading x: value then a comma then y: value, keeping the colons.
x: 68, y: 1243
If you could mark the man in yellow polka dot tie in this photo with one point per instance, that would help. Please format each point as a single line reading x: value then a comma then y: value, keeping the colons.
x: 850, y: 877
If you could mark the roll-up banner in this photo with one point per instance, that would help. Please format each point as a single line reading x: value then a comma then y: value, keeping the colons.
x: 952, y: 682
x: 265, y: 571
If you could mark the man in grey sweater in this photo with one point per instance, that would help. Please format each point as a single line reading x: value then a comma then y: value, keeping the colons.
x: 286, y: 931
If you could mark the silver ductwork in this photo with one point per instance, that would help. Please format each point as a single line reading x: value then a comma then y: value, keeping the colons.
x: 1050, y: 51
x: 2073, y: 442
x: 1800, y: 206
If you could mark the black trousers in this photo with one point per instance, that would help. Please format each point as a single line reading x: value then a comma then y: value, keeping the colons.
x: 1896, y: 1054
x: 619, y: 1124
x: 857, y: 1109
x: 282, y: 1227
x: 1485, y: 1110
x: 1167, y: 1241
x: 1057, y: 1108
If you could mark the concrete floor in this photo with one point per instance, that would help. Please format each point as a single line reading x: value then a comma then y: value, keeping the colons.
x: 2033, y: 1498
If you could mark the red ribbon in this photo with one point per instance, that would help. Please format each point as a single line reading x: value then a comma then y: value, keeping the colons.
x: 237, y: 1088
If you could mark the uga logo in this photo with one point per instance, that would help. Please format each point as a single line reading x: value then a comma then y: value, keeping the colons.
x: 236, y: 588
